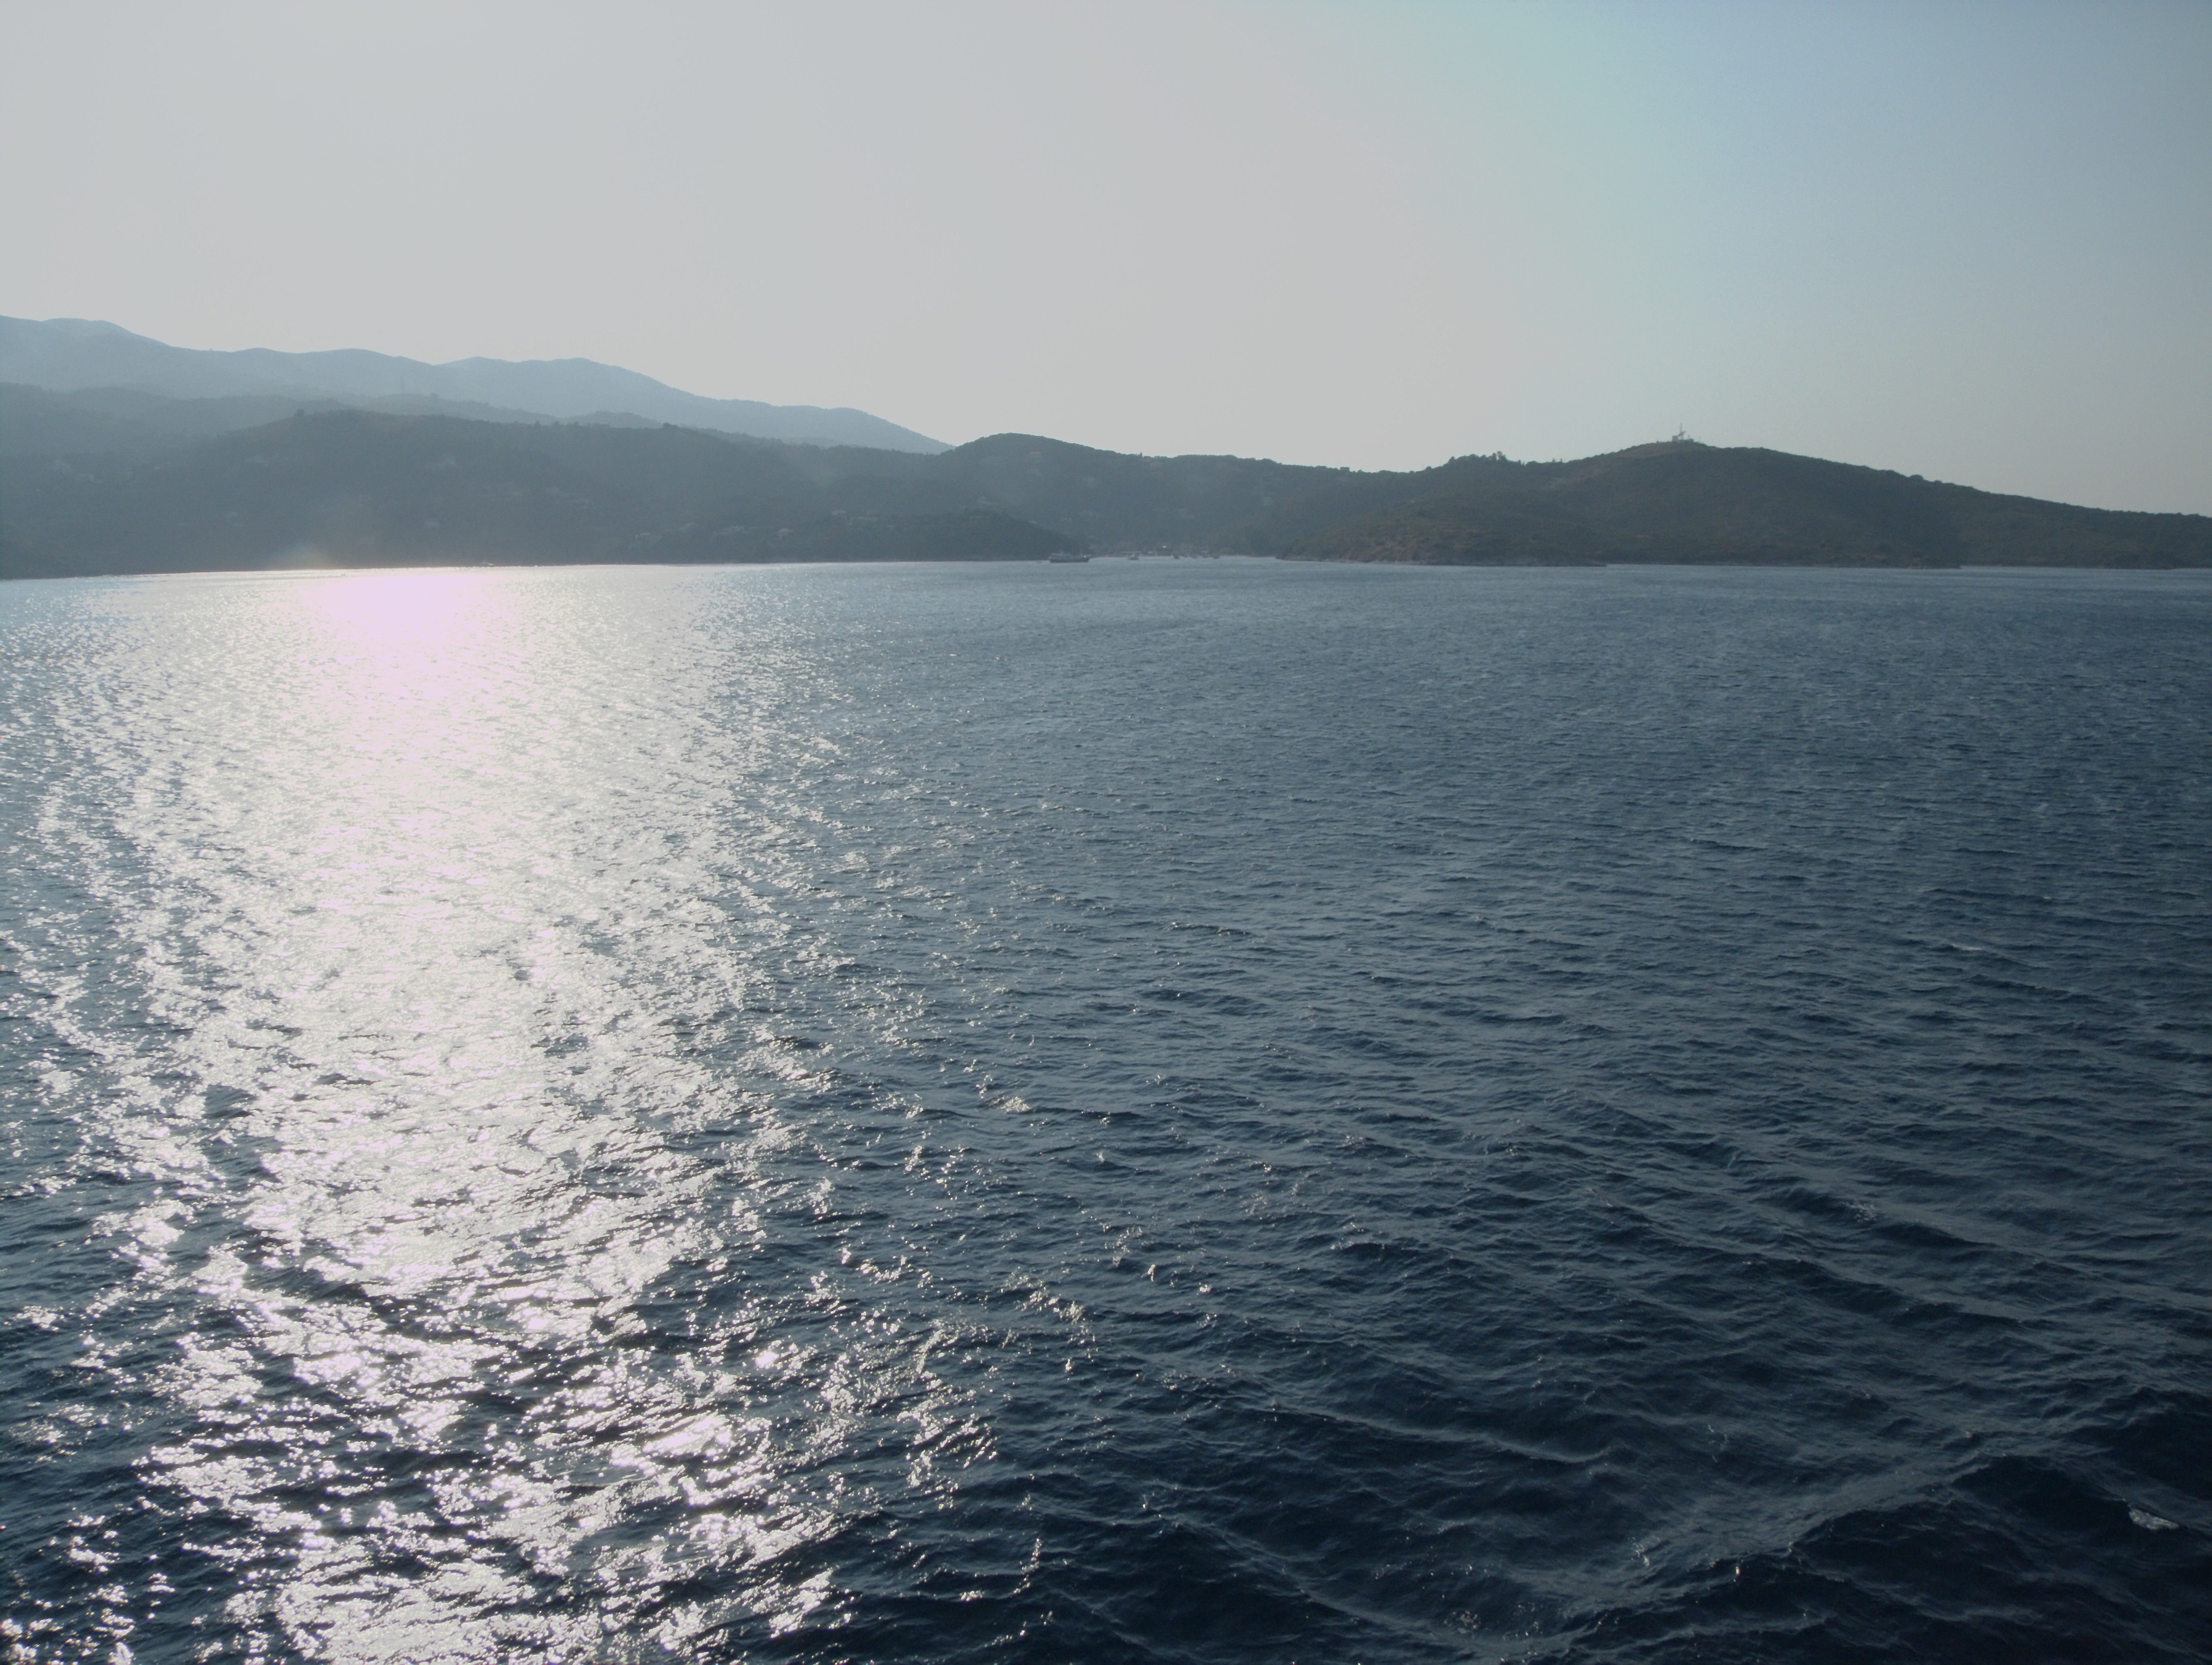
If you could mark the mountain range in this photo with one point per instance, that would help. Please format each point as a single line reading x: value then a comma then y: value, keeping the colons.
x: 80, y: 356
x: 129, y: 478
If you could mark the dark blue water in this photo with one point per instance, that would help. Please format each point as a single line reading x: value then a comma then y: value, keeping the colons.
x: 1205, y: 1111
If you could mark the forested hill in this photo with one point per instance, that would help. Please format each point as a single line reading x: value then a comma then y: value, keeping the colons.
x: 355, y: 488
x: 1688, y: 503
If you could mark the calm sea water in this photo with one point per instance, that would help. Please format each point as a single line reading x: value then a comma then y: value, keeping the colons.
x: 1167, y: 1112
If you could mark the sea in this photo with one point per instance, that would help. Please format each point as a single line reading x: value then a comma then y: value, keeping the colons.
x: 1166, y: 1110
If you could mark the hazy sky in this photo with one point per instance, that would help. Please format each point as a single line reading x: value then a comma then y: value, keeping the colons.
x: 1972, y: 241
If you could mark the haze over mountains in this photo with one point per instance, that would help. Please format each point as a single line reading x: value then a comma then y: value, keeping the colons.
x: 164, y: 474
x: 77, y: 356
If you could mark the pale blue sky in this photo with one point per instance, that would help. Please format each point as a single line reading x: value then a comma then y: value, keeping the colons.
x: 1971, y: 241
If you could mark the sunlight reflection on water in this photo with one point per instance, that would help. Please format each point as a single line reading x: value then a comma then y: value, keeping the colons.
x: 397, y: 819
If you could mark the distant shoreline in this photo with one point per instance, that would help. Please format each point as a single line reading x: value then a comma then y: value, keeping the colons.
x: 366, y: 489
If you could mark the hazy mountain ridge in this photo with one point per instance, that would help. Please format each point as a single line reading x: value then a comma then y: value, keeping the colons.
x: 358, y: 487
x: 36, y: 421
x: 349, y: 487
x: 1685, y: 503
x: 76, y: 355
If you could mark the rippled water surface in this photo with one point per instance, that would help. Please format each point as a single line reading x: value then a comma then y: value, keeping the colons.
x: 1146, y: 1111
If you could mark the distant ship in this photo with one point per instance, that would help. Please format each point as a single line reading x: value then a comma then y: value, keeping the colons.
x: 1065, y: 560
